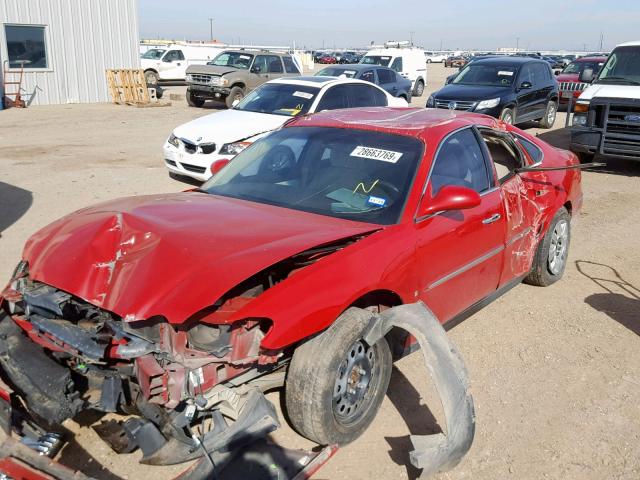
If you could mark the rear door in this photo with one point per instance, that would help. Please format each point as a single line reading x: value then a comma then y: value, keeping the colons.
x: 290, y: 68
x: 387, y: 81
x: 544, y: 84
x: 459, y: 253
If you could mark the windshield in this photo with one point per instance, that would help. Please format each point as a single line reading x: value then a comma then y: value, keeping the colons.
x: 383, y: 60
x: 490, y: 75
x: 279, y: 99
x: 233, y: 59
x: 622, y: 66
x: 154, y: 54
x: 336, y: 72
x: 343, y: 173
x: 578, y: 67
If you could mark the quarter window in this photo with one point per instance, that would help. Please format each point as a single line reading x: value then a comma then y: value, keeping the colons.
x: 289, y: 66
x: 26, y: 45
x: 503, y: 153
x: 460, y: 162
x: 532, y: 149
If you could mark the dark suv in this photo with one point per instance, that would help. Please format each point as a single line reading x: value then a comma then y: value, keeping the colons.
x: 514, y: 89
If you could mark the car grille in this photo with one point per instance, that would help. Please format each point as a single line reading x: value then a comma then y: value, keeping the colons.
x: 208, y: 147
x: 170, y: 162
x: 621, y: 135
x: 455, y: 104
x: 189, y: 147
x: 193, y: 168
x: 572, y: 86
x: 205, y: 79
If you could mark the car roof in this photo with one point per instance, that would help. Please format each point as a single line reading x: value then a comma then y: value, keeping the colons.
x: 635, y: 43
x: 591, y: 59
x: 506, y: 60
x: 415, y: 122
x: 355, y: 66
x: 316, y: 81
x: 253, y: 51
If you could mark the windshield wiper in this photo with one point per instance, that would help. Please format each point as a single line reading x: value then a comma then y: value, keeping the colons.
x: 619, y: 79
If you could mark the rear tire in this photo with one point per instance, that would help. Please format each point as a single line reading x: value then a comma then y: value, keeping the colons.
x: 550, y: 259
x: 336, y: 382
x: 418, y: 90
x: 549, y: 115
x: 236, y: 93
x: 194, y: 101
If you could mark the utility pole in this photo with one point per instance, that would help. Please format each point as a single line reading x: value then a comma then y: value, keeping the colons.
x: 411, y: 35
x: 517, y: 43
x: 601, y: 40
x: 584, y: 47
x: 211, y: 29
x: 440, y: 44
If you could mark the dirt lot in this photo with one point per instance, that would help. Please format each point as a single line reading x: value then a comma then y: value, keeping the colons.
x: 554, y: 371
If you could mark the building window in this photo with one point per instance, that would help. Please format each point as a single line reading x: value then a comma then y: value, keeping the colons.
x: 26, y: 46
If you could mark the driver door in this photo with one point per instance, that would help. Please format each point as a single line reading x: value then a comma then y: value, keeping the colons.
x: 174, y: 66
x: 459, y: 253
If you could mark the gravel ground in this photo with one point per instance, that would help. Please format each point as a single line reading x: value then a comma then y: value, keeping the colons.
x: 554, y: 371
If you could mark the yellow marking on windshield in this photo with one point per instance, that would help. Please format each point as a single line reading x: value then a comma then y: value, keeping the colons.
x: 364, y: 189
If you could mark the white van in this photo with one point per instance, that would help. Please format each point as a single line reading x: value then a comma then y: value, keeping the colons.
x: 171, y: 62
x: 409, y: 62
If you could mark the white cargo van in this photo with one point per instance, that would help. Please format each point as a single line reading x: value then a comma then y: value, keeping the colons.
x: 408, y: 61
x: 171, y: 62
x: 606, y: 118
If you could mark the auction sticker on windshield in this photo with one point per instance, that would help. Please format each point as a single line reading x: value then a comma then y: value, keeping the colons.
x: 376, y: 154
x: 303, y: 95
x: 506, y: 73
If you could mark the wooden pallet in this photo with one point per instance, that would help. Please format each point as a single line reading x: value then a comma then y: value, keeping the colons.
x: 127, y: 86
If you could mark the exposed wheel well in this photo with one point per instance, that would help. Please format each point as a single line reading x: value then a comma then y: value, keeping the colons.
x: 569, y: 208
x: 239, y: 84
x: 382, y: 299
x: 151, y: 70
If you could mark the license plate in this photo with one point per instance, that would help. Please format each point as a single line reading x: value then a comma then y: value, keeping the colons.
x: 201, y: 88
x: 566, y: 94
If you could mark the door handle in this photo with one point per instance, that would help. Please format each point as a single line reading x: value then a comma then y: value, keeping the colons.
x: 493, y: 218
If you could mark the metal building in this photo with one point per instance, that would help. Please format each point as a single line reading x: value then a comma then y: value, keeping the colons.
x: 66, y: 46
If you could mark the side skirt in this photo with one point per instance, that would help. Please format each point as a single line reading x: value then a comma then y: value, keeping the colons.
x: 479, y: 305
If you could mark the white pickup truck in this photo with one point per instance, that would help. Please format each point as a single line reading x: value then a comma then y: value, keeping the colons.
x: 171, y: 63
x: 607, y: 113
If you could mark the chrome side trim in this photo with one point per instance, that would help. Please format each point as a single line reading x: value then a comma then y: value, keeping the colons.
x: 518, y: 236
x: 466, y: 267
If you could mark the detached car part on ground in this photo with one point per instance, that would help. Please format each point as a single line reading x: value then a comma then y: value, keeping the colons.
x: 178, y: 311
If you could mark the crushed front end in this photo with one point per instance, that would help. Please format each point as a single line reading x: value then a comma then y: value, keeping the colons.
x: 178, y: 392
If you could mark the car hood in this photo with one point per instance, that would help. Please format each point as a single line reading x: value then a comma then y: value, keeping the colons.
x: 470, y: 92
x: 228, y: 126
x: 213, y: 69
x: 568, y: 77
x: 611, y: 91
x: 171, y: 255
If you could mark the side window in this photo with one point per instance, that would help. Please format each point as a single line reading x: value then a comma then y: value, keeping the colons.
x: 386, y: 76
x: 532, y: 149
x: 526, y: 75
x: 334, y: 98
x: 262, y: 62
x: 397, y: 64
x: 460, y: 162
x: 368, y: 76
x: 540, y: 74
x: 173, y: 56
x: 504, y: 154
x: 289, y: 66
x: 366, y: 96
x: 274, y: 64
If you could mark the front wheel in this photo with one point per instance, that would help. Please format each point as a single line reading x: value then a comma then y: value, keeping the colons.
x: 336, y: 381
x: 236, y: 93
x: 194, y: 101
x: 550, y: 259
x: 549, y: 115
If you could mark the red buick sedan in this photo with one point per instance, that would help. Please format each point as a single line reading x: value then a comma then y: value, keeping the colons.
x: 181, y: 309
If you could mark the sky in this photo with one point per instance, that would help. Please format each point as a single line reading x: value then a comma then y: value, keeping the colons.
x: 452, y: 24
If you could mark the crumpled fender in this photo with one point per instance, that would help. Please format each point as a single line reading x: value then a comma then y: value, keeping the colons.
x: 439, y: 452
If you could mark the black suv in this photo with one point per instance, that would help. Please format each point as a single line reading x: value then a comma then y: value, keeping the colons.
x: 514, y: 89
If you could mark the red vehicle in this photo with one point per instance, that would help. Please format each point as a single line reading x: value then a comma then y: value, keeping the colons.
x: 328, y: 59
x: 569, y: 78
x: 181, y: 309
x: 456, y: 62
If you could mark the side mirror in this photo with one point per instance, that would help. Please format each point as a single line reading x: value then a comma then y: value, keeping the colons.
x: 450, y: 79
x: 255, y: 69
x: 526, y: 86
x: 556, y: 72
x: 449, y: 198
x: 586, y: 75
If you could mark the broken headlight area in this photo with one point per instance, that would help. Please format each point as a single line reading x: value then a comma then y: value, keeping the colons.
x: 184, y: 390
